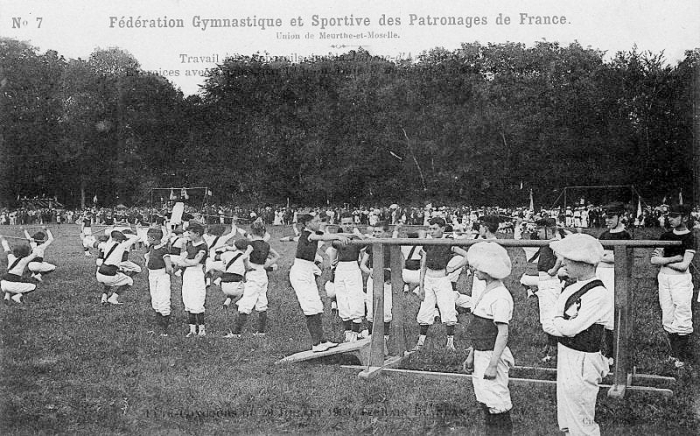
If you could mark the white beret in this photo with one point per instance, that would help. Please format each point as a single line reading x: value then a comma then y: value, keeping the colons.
x: 579, y: 247
x: 490, y: 258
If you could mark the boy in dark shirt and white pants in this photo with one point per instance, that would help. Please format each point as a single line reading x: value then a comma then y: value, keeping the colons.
x: 159, y: 271
x: 676, y: 284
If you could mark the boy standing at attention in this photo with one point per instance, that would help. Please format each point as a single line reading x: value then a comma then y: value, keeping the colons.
x: 194, y: 292
x: 159, y: 271
x: 578, y: 321
x: 490, y: 358
x: 676, y: 284
x: 435, y: 286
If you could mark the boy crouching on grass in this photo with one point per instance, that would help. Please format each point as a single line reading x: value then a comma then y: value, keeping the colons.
x: 490, y: 358
x: 12, y: 282
x: 159, y: 271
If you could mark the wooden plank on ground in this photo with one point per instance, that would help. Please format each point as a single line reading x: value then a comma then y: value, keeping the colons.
x: 346, y: 347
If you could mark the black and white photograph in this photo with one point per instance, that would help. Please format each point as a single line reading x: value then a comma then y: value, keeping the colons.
x: 350, y: 217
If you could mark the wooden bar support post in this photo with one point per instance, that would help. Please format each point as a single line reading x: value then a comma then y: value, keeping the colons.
x: 377, y: 347
x: 397, y: 338
x: 623, y: 321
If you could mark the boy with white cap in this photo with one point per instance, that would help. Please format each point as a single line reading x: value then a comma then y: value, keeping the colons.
x: 676, y: 284
x: 490, y: 358
x: 578, y: 320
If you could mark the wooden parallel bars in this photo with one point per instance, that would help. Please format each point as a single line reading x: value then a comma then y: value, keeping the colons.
x: 624, y: 371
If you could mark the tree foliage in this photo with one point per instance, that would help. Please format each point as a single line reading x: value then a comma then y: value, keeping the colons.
x: 472, y: 125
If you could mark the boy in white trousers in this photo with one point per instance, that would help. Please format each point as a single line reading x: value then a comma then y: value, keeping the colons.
x: 490, y: 358
x: 578, y: 321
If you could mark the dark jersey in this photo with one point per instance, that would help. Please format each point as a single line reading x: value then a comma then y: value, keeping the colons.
x: 192, y: 250
x: 261, y: 250
x: 156, y: 257
x: 387, y: 257
x: 306, y: 249
x: 349, y: 253
x: 437, y: 256
x: 615, y: 236
x: 687, y: 240
x: 546, y: 260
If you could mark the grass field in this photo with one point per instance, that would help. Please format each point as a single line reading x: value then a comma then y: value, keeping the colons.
x: 70, y: 365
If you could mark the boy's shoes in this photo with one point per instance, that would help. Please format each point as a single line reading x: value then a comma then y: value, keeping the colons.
x: 104, y: 299
x: 191, y: 334
x: 17, y: 298
x: 418, y: 347
x: 87, y: 254
x: 37, y: 277
x: 259, y: 334
x: 202, y: 332
x: 113, y: 300
x: 547, y: 358
x: 323, y: 346
x: 677, y: 363
x: 318, y: 348
x: 231, y: 335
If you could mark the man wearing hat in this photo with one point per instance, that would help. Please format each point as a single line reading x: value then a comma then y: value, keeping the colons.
x: 578, y: 321
x: 606, y: 268
x: 490, y: 358
x: 676, y: 284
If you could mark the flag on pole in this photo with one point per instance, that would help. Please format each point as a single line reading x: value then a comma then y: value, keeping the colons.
x: 209, y: 192
x: 639, y: 207
x: 532, y: 201
x: 521, y: 184
x: 680, y: 197
x: 94, y: 199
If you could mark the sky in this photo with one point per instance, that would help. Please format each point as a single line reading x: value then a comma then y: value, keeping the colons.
x: 180, y: 39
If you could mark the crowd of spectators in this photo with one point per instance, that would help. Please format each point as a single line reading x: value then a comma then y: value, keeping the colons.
x: 458, y: 216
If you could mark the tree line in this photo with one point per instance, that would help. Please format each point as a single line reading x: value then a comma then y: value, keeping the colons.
x: 482, y: 124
